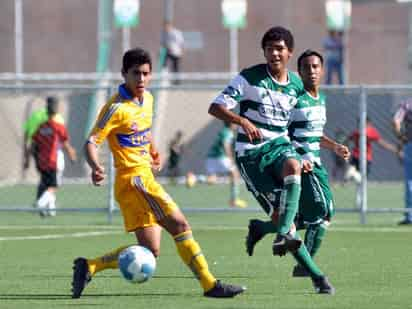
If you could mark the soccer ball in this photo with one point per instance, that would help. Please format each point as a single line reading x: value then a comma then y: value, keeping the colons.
x: 137, y: 264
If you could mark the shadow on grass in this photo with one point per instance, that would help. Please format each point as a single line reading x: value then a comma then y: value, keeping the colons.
x: 25, y: 296
x: 117, y: 276
x: 229, y: 277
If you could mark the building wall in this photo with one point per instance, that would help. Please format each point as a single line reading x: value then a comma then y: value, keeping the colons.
x: 61, y: 35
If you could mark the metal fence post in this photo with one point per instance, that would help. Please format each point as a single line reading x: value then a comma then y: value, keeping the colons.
x: 111, y: 204
x: 363, y: 158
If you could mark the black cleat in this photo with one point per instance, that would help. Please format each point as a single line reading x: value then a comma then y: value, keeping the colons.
x: 81, y: 276
x: 284, y: 243
x: 300, y: 271
x: 323, y: 286
x: 223, y: 290
x: 405, y: 222
x: 253, y: 236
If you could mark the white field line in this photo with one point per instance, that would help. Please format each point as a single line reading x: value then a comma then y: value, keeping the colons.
x: 60, y: 227
x: 58, y: 236
x: 204, y: 228
x: 331, y: 229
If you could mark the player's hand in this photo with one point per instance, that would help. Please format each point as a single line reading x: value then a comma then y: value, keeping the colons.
x: 72, y: 155
x: 156, y: 161
x: 342, y: 151
x: 251, y: 131
x: 98, y: 175
x: 402, y: 138
x: 307, y: 166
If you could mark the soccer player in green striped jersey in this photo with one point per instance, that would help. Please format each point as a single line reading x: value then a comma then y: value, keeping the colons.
x: 268, y: 162
x: 308, y: 119
x: 306, y: 130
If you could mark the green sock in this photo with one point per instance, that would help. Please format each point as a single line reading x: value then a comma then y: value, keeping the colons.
x: 303, y: 257
x: 289, y: 203
x: 234, y: 190
x: 314, y: 236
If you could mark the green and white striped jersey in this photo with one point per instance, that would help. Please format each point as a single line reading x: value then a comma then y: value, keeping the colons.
x: 263, y: 101
x: 308, y: 119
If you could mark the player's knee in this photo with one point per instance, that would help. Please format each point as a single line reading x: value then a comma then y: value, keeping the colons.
x: 183, y: 225
x: 155, y: 251
x: 291, y: 167
x: 177, y: 224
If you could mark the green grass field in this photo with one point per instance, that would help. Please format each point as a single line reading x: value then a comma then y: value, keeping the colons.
x: 370, y: 265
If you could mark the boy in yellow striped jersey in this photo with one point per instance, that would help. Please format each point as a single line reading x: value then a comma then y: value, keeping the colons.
x: 125, y: 121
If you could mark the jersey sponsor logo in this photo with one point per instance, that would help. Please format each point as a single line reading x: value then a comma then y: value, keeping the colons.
x: 134, y: 127
x: 136, y: 139
x: 292, y: 92
x: 265, y: 93
x: 271, y: 112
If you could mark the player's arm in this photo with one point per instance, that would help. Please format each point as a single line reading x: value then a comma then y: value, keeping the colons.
x: 70, y: 151
x: 92, y: 158
x: 108, y: 119
x: 397, y: 128
x: 339, y: 149
x: 64, y: 139
x: 397, y: 124
x: 27, y: 140
x: 26, y: 151
x: 388, y: 146
x: 154, y: 153
x: 227, y: 100
x: 221, y: 112
x: 32, y: 147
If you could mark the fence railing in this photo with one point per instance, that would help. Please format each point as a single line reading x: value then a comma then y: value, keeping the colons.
x: 184, y: 107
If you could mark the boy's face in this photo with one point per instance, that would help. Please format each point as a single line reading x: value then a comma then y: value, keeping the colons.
x: 277, y: 55
x: 137, y: 78
x: 311, y: 71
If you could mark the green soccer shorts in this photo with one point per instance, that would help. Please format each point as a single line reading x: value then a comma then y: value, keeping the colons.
x: 316, y: 200
x: 261, y: 170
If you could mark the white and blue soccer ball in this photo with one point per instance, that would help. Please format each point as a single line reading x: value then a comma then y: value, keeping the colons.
x: 137, y: 264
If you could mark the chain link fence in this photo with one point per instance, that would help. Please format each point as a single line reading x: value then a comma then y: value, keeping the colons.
x: 19, y: 185
x: 185, y: 108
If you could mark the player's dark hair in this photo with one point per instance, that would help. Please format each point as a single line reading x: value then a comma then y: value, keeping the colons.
x: 278, y: 34
x: 308, y: 53
x: 52, y: 105
x: 136, y: 56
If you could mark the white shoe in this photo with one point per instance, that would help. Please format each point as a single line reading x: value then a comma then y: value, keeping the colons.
x: 353, y: 174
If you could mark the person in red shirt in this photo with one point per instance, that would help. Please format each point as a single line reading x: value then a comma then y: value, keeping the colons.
x: 47, y: 140
x: 372, y: 136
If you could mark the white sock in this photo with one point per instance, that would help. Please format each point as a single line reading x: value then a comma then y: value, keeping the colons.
x: 52, y: 205
x: 44, y: 199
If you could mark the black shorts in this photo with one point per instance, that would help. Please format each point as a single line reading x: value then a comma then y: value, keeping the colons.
x: 48, y: 178
x: 355, y: 162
